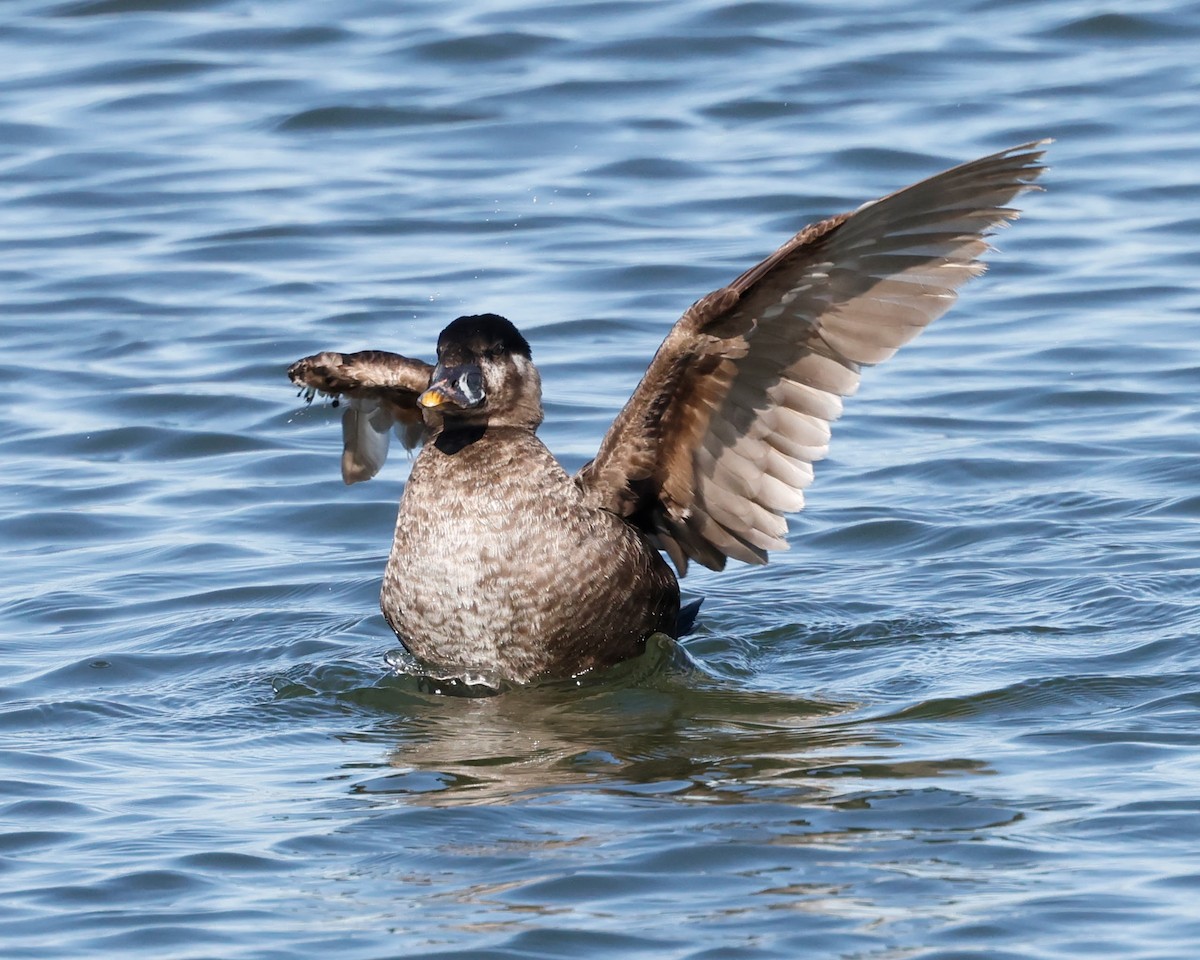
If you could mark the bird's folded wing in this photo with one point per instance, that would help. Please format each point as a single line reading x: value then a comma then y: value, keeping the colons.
x: 718, y: 440
x: 381, y: 391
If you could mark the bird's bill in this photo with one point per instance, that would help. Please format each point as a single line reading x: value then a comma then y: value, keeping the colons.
x: 460, y: 386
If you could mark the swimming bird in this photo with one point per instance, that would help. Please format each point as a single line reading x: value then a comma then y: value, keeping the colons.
x: 505, y: 569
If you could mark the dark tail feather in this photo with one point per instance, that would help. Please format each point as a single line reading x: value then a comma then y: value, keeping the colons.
x: 687, y: 618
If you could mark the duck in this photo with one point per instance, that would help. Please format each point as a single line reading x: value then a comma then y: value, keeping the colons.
x: 506, y: 570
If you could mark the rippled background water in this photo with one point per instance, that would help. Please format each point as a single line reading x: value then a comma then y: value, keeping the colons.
x: 959, y: 719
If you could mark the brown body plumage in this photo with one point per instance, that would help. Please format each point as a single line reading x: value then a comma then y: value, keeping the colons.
x: 506, y: 569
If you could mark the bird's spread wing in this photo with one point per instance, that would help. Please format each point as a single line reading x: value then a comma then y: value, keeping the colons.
x: 718, y: 440
x: 381, y: 390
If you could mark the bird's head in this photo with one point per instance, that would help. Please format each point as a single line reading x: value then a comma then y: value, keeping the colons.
x: 484, y: 375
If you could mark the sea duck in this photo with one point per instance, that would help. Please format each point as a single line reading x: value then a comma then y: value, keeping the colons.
x: 505, y: 569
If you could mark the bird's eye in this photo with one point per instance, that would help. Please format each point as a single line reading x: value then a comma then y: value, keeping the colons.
x: 496, y: 351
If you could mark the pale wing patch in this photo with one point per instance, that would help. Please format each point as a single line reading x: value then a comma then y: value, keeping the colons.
x: 718, y: 441
x: 366, y: 429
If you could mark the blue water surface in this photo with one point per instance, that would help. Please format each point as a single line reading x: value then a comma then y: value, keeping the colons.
x: 960, y: 719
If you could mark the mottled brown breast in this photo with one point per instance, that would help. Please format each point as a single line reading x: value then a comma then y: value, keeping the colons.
x: 500, y: 570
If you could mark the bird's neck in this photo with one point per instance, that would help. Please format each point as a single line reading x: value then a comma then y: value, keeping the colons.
x: 455, y: 435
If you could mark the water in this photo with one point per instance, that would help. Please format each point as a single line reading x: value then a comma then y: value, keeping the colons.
x: 959, y: 719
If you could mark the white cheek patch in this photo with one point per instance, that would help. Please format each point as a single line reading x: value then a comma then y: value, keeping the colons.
x: 526, y: 373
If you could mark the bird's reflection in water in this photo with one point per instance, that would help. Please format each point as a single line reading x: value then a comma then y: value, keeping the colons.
x: 656, y: 725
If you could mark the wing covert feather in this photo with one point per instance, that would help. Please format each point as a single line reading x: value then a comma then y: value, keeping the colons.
x: 717, y: 441
x: 381, y: 389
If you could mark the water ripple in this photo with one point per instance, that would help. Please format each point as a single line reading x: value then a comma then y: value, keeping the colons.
x: 958, y: 719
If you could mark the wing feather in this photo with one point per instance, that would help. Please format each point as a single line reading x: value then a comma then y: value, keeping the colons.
x: 366, y: 431
x: 718, y: 440
x: 381, y: 389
